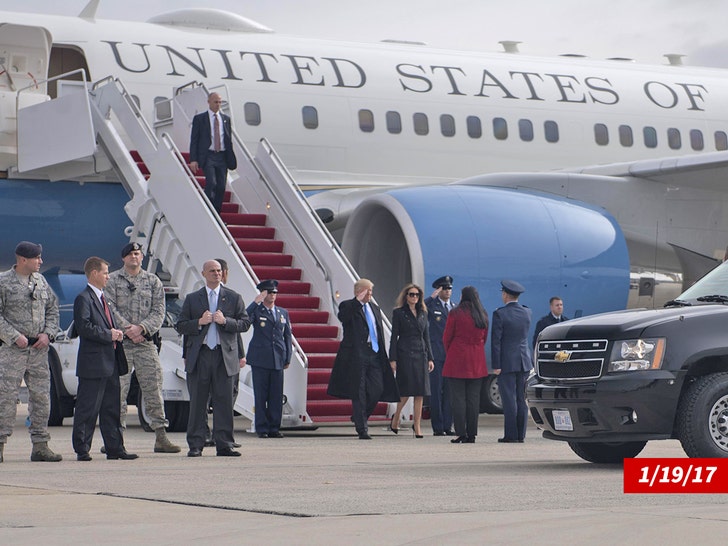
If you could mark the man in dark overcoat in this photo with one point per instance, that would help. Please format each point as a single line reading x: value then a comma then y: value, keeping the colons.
x: 361, y: 370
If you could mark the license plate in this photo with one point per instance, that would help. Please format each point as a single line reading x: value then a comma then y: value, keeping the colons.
x: 562, y: 420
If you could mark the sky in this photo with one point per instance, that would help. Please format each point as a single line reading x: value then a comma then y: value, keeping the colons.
x: 643, y: 30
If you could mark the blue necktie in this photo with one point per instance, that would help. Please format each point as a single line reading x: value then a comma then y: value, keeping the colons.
x: 212, y: 330
x: 372, y: 327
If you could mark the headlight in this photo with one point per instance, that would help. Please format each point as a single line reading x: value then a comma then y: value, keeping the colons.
x: 637, y: 354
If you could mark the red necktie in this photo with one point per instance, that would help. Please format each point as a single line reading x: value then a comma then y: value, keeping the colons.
x: 107, y: 312
x: 217, y: 133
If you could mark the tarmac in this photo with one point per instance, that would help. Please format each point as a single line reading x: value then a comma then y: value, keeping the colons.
x: 328, y: 487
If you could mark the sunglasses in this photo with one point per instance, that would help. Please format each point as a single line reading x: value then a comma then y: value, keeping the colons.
x: 413, y: 294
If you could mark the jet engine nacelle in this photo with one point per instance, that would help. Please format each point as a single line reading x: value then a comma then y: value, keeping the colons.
x: 480, y: 235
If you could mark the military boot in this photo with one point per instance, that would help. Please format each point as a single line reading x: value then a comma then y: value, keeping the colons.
x: 41, y: 452
x: 163, y: 445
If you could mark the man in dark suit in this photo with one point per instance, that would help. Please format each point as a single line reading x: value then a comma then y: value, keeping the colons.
x: 211, y: 149
x: 438, y: 307
x: 511, y: 359
x: 100, y: 362
x: 361, y: 370
x: 210, y: 320
x: 556, y: 315
x: 269, y: 353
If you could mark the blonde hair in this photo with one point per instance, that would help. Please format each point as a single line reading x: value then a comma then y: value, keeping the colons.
x: 362, y: 284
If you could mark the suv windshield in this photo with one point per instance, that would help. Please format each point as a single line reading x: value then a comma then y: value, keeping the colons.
x: 714, y: 284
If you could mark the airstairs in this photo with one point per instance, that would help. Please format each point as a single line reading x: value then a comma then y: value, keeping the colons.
x: 265, y: 230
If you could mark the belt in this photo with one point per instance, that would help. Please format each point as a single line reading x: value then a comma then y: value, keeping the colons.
x: 217, y: 348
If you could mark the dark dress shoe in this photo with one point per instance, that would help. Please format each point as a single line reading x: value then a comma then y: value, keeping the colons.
x: 103, y: 450
x: 449, y: 433
x: 122, y: 455
x: 227, y: 452
x: 438, y: 433
x: 83, y: 457
x: 235, y: 444
x: 275, y: 435
x: 459, y: 440
x: 470, y: 440
x: 507, y: 441
x: 263, y: 435
x: 364, y: 436
x: 194, y: 452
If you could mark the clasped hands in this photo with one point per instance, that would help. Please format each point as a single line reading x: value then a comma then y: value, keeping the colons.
x: 208, y: 317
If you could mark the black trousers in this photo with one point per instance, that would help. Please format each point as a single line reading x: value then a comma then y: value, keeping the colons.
x: 210, y: 377
x: 465, y: 401
x: 371, y: 387
x: 98, y: 398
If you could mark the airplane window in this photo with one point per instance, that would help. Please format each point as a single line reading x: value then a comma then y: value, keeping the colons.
x: 673, y: 139
x: 696, y: 140
x: 650, y: 136
x: 551, y: 130
x: 422, y: 127
x: 601, y: 134
x: 252, y: 113
x: 721, y: 141
x: 310, y: 117
x: 525, y: 129
x: 625, y: 135
x: 394, y: 122
x: 500, y: 128
x: 447, y: 125
x: 366, y: 121
x: 475, y: 130
x: 162, y: 108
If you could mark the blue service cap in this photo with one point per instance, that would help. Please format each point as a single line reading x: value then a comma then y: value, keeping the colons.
x: 269, y: 285
x: 26, y: 249
x: 445, y: 282
x: 512, y: 287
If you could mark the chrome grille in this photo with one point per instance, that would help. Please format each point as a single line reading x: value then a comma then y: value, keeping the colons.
x: 578, y: 359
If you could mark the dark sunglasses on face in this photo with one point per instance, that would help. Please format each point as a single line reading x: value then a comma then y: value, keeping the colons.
x: 413, y: 294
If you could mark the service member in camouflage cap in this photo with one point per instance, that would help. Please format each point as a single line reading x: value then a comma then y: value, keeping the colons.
x: 136, y: 298
x: 28, y: 324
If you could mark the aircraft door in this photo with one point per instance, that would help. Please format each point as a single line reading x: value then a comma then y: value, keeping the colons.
x: 24, y: 53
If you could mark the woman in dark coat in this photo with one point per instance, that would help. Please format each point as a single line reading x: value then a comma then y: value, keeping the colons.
x: 464, y: 338
x: 410, y: 354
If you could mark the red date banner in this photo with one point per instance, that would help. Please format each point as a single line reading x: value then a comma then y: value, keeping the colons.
x: 676, y: 475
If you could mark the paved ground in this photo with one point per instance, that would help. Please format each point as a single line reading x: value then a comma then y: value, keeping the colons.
x: 328, y: 487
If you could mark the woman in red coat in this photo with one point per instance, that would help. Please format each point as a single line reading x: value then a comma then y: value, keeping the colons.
x: 464, y: 338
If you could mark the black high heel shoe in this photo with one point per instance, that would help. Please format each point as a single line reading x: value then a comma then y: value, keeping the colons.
x: 415, y: 434
x: 395, y: 430
x: 459, y: 440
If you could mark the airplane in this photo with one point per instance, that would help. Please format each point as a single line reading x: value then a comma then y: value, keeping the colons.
x: 600, y: 181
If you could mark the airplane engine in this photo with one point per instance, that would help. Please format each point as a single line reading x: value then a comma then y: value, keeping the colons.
x: 480, y: 235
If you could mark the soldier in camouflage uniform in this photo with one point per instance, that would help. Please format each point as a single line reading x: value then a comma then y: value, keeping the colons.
x: 28, y: 324
x: 136, y: 298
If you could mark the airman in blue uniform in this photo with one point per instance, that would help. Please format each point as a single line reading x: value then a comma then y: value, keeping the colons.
x: 269, y: 353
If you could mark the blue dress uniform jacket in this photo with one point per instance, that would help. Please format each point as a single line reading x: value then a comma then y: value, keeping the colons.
x: 509, y: 338
x: 271, y: 346
x: 543, y: 322
x: 269, y: 352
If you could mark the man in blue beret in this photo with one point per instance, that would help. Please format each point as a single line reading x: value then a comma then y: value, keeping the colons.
x: 511, y: 359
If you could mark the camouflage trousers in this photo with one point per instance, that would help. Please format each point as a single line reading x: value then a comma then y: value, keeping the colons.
x: 143, y: 358
x: 32, y: 365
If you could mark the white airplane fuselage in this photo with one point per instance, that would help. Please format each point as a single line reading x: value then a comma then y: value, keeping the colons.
x: 352, y: 115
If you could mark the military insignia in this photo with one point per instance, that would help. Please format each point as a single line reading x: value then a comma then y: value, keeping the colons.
x: 438, y: 319
x: 263, y: 322
x: 283, y: 319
